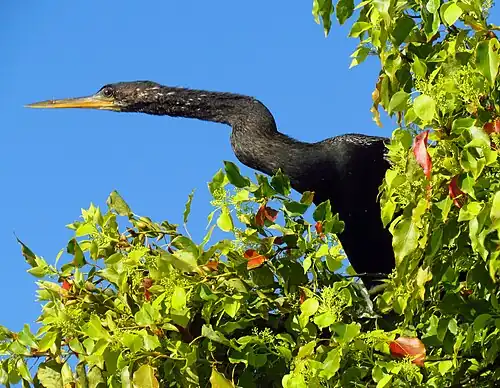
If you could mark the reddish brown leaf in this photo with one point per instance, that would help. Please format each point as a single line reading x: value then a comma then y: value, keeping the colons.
x: 212, y: 265
x: 421, y: 155
x: 409, y: 347
x: 278, y: 240
x: 66, y: 285
x: 270, y: 213
x: 457, y: 195
x: 493, y: 127
x: 147, y: 282
x: 263, y: 213
x: 255, y: 260
x: 147, y: 295
x: 302, y: 296
x: 260, y: 217
x: 319, y: 227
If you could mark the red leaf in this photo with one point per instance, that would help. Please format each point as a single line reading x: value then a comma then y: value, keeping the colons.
x: 255, y: 260
x: 213, y: 265
x: 270, y: 213
x: 278, y: 240
x: 147, y: 282
x: 421, y: 155
x: 263, y: 213
x: 319, y: 229
x: 260, y: 217
x: 147, y: 295
x: 493, y: 127
x: 302, y: 296
x: 465, y: 292
x: 457, y: 195
x: 409, y: 347
x: 66, y: 285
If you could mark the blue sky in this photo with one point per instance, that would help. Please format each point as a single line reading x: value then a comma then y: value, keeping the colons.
x: 55, y: 162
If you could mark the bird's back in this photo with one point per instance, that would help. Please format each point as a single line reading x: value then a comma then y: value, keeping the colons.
x: 349, y: 175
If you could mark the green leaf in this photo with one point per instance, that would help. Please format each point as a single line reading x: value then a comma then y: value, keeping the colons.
x: 419, y: 67
x: 358, y: 28
x: 359, y: 55
x: 179, y: 298
x: 403, y: 27
x: 323, y: 211
x: 295, y: 208
x: 217, y: 380
x: 208, y: 332
x: 331, y: 364
x: 26, y: 338
x: 28, y: 254
x: 234, y: 176
x: 425, y: 107
x: 116, y: 203
x: 307, y: 198
x: 481, y: 322
x: 47, y: 341
x: 23, y: 371
x: 451, y: 13
x: 346, y: 332
x: 95, y: 378
x: 345, y: 9
x: 307, y: 349
x: 49, y: 374
x: 399, y: 102
x: 149, y: 314
x: 74, y: 249
x: 309, y: 307
x: 445, y: 366
x: 281, y: 183
x: 144, y: 377
x: 495, y: 208
x: 470, y: 211
x: 181, y: 259
x: 218, y: 182
x: 325, y: 319
x: 405, y: 238
x: 231, y: 306
x: 225, y: 221
x: 487, y: 59
x: 95, y: 330
x: 323, y: 9
x: 76, y: 346
x: 384, y: 381
x: 132, y: 341
x: 187, y: 208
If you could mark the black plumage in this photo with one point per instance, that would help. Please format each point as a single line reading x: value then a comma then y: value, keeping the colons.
x: 346, y: 169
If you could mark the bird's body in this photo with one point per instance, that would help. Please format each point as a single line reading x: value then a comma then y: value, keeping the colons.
x: 346, y: 169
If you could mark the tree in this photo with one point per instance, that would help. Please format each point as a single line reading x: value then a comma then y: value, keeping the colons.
x: 144, y: 305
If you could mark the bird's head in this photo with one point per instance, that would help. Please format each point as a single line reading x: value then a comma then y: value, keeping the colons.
x: 119, y: 97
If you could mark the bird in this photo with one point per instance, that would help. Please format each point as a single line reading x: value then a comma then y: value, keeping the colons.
x: 347, y: 169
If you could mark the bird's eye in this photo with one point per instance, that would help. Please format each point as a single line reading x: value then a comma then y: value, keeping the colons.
x: 107, y: 92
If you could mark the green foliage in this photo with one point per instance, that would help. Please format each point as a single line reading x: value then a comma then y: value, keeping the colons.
x: 147, y: 306
x: 439, y: 67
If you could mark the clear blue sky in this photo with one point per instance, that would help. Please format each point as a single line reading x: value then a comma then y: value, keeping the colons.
x: 55, y: 162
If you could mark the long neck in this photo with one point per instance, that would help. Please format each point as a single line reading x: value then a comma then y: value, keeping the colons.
x: 255, y: 139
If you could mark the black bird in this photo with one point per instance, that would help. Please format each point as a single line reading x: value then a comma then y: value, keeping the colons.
x: 346, y: 169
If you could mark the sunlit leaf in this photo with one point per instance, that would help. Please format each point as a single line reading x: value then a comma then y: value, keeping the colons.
x: 409, y: 347
x: 425, y: 107
x: 487, y: 59
x: 144, y: 377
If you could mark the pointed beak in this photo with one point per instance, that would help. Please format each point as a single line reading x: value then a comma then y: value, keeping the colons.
x: 90, y: 102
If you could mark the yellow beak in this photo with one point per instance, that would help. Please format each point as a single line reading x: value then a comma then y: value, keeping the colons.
x: 90, y: 102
